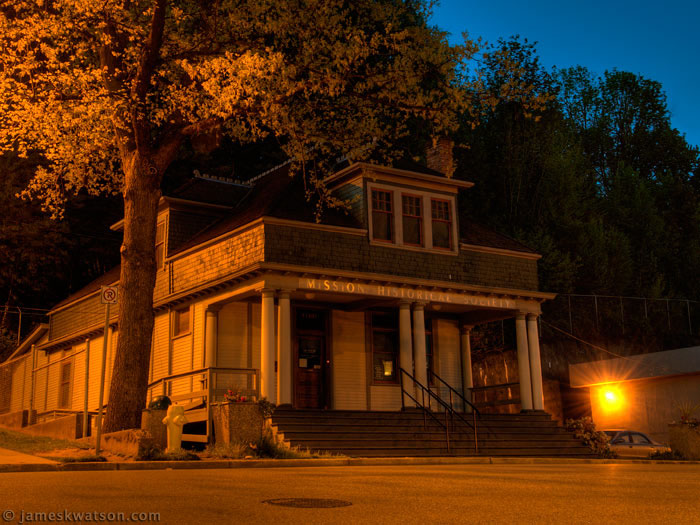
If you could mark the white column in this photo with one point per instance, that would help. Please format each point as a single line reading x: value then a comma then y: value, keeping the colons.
x: 268, y: 384
x: 211, y: 334
x: 523, y: 362
x: 284, y: 350
x: 533, y: 340
x: 405, y: 346
x: 467, y: 379
x: 419, y: 358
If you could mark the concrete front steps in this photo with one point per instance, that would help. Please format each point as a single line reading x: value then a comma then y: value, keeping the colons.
x: 383, y: 434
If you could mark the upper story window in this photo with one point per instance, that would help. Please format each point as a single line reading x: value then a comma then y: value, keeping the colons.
x: 181, y: 321
x: 442, y: 223
x: 415, y: 218
x: 382, y: 216
x: 412, y: 220
x: 160, y: 245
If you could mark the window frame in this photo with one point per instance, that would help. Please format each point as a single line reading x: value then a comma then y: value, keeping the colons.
x: 394, y: 355
x: 66, y: 402
x: 176, y: 312
x: 420, y: 217
x: 448, y: 221
x: 393, y: 237
x: 161, y: 244
x: 426, y: 195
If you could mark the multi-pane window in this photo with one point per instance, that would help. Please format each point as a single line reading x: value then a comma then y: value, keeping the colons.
x: 64, y: 400
x: 385, y: 348
x: 160, y: 245
x: 181, y: 321
x: 412, y: 220
x: 382, y: 216
x: 442, y: 224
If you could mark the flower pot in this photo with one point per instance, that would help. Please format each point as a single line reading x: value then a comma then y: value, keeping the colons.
x: 237, y: 422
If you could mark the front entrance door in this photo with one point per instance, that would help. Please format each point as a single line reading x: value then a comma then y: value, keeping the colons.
x: 310, y: 365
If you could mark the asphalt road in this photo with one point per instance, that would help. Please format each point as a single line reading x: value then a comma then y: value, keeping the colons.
x: 610, y: 494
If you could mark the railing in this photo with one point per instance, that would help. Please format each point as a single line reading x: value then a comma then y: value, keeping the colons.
x: 465, y: 403
x: 200, y: 388
x: 450, y: 413
x: 504, y: 387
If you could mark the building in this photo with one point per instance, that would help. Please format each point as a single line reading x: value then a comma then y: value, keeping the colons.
x: 252, y: 294
x: 642, y: 392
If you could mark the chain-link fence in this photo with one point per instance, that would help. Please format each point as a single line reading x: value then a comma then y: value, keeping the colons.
x: 656, y: 323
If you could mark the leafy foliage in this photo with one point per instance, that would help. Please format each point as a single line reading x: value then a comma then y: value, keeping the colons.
x: 598, y: 441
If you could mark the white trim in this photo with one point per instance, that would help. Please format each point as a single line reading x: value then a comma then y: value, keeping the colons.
x: 443, y: 181
x: 500, y: 251
x: 397, y: 213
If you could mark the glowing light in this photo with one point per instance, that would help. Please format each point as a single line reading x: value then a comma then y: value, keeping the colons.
x: 611, y: 398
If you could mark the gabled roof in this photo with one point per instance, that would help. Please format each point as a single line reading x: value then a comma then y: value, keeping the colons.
x: 479, y: 235
x: 106, y: 279
x: 28, y: 341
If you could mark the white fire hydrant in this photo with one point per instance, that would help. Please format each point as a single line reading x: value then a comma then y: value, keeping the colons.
x: 175, y: 421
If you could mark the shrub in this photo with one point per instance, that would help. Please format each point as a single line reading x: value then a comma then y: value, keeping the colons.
x: 598, y: 441
x: 672, y: 455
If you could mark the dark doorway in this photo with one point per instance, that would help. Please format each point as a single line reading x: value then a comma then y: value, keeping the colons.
x: 310, y: 358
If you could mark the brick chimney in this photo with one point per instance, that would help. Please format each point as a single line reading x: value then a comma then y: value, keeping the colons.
x: 440, y: 156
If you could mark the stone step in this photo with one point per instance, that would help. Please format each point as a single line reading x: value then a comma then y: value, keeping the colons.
x: 303, y: 435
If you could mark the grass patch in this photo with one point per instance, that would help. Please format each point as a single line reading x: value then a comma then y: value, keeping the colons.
x: 178, y: 455
x: 30, y: 444
x: 227, y: 451
x: 90, y: 458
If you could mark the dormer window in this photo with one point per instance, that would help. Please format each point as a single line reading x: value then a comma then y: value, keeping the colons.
x: 412, y: 220
x: 382, y: 216
x: 160, y: 245
x: 442, y: 224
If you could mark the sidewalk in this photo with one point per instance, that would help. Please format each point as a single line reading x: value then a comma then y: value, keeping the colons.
x: 11, y: 457
x: 11, y: 461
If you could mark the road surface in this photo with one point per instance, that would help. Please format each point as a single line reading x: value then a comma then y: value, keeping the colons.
x: 589, y: 493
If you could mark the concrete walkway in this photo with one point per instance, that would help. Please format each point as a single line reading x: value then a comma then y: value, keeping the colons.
x: 11, y: 457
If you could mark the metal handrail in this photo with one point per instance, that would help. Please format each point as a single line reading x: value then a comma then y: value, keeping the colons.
x: 475, y: 411
x: 448, y: 409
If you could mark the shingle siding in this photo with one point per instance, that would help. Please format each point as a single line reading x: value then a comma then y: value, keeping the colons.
x: 341, y: 251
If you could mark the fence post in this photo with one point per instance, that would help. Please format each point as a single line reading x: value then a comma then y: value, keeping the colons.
x: 668, y: 315
x: 595, y: 301
x: 31, y: 390
x: 690, y: 322
x: 571, y: 322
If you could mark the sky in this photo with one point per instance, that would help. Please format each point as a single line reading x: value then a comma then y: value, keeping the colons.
x: 658, y: 40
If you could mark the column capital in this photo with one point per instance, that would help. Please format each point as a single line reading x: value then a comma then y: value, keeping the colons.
x: 532, y: 317
x: 214, y: 308
x: 268, y: 292
x: 405, y: 305
x: 520, y: 316
x: 419, y: 306
x: 466, y: 328
x: 283, y: 294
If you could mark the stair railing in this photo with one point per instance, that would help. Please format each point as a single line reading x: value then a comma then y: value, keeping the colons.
x: 449, y: 412
x: 475, y: 411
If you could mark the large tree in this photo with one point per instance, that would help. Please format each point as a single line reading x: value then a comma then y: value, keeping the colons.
x: 109, y: 92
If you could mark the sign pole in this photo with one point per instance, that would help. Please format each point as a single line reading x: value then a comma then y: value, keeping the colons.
x: 108, y: 297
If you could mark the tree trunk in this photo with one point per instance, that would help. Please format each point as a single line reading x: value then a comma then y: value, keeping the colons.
x: 127, y: 394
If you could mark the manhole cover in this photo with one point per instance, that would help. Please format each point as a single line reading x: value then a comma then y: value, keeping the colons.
x: 308, y: 503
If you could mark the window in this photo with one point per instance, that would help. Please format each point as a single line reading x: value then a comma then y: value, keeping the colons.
x: 382, y: 216
x: 64, y: 400
x: 181, y: 321
x: 442, y: 224
x: 385, y: 348
x: 160, y: 245
x: 412, y: 220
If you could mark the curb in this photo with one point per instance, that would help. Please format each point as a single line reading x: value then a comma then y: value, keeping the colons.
x: 340, y: 462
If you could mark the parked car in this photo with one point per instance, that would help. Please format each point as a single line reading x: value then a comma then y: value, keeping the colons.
x: 633, y: 444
